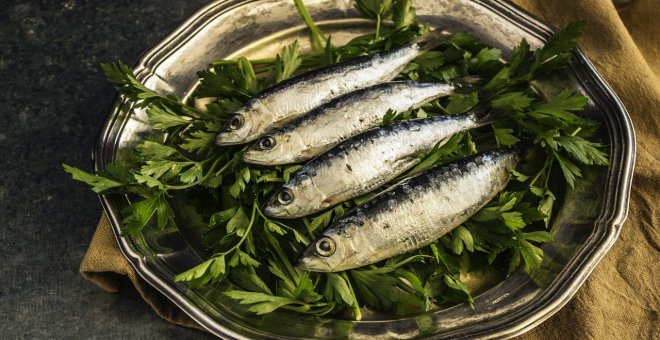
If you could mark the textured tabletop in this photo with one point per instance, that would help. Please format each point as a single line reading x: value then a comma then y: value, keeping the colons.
x: 53, y: 99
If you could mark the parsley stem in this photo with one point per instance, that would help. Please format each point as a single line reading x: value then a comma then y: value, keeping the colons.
x: 248, y: 230
x: 308, y: 225
x: 201, y: 180
x: 542, y: 171
x: 280, y: 253
x: 315, y: 33
x: 537, y: 176
x: 217, y: 173
x: 547, y: 177
x: 280, y: 224
x: 377, y: 27
x: 274, y: 244
x: 357, y: 313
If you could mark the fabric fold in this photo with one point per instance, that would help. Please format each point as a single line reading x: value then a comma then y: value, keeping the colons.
x: 105, y: 265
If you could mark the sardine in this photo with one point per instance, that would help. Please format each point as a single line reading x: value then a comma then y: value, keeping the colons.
x: 364, y: 163
x: 412, y: 214
x: 327, y: 125
x: 287, y: 100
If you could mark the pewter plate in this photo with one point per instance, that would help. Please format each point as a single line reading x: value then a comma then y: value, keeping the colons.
x: 588, y: 218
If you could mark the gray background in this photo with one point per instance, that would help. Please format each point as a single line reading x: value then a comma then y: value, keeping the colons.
x: 53, y: 98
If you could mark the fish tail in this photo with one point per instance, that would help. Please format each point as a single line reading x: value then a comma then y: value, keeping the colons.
x: 467, y: 84
x: 483, y: 110
x: 523, y: 149
x: 432, y: 39
x: 485, y: 113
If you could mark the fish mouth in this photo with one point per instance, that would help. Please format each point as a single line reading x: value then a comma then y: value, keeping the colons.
x: 300, y: 263
x: 230, y: 138
x: 274, y: 210
x: 253, y: 157
x: 307, y: 263
x: 256, y: 157
x: 230, y: 135
x: 271, y: 208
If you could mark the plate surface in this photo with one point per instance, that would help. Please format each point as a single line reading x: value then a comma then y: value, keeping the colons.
x: 588, y: 218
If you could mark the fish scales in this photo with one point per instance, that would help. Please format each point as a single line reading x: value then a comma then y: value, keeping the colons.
x: 280, y: 104
x: 413, y: 213
x: 303, y: 94
x: 364, y: 163
x: 327, y: 125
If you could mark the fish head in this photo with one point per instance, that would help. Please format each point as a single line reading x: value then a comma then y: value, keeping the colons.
x: 297, y: 198
x: 246, y: 124
x: 276, y: 147
x: 333, y: 251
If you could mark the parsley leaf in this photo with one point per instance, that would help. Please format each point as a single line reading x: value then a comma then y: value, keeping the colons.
x: 504, y: 136
x: 403, y: 14
x: 98, y: 184
x: 205, y: 272
x: 265, y: 303
x: 163, y: 118
x: 460, y: 103
x: 561, y: 42
x: 582, y: 150
x: 287, y: 62
x: 374, y: 9
x: 138, y: 214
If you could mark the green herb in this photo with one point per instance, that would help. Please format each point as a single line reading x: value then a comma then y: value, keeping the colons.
x: 287, y: 62
x: 98, y: 184
x: 403, y: 14
x: 315, y: 33
x: 376, y: 10
x: 256, y: 253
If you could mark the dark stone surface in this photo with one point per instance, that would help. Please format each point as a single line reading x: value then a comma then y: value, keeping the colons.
x: 53, y: 99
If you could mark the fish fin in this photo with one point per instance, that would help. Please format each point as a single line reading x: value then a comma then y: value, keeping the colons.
x: 432, y: 39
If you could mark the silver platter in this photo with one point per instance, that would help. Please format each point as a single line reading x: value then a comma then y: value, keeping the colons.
x: 588, y: 219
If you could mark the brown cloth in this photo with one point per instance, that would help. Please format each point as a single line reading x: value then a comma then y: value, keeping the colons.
x: 104, y: 264
x: 621, y: 298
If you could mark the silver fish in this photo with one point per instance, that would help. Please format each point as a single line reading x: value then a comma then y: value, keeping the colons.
x: 364, y: 163
x: 412, y: 214
x: 324, y: 127
x: 285, y: 101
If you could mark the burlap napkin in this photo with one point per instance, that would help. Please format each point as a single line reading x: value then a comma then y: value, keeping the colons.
x: 621, y: 298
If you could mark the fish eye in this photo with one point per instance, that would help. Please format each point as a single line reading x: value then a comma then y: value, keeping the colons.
x: 266, y: 143
x: 235, y: 122
x: 285, y: 197
x: 325, y: 246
